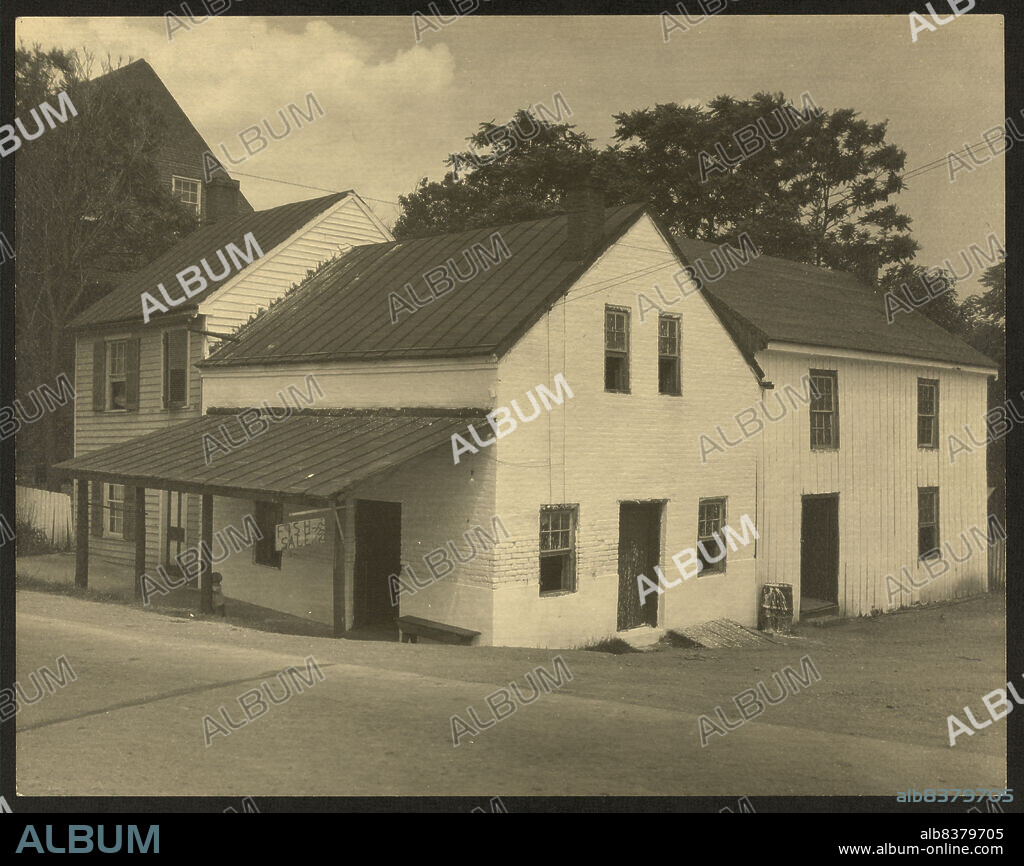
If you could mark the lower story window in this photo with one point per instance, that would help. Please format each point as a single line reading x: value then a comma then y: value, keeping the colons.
x: 557, y: 549
x: 710, y: 543
x: 928, y: 522
x: 268, y: 516
x: 113, y: 502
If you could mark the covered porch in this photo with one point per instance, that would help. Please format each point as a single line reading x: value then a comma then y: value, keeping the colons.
x: 296, y: 477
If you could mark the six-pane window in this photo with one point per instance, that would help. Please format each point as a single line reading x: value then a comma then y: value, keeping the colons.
x: 186, y: 191
x: 824, y: 410
x: 928, y: 522
x: 117, y: 374
x: 616, y: 349
x: 557, y: 549
x: 175, y: 368
x: 710, y: 520
x: 927, y: 413
x: 115, y: 508
x: 668, y: 355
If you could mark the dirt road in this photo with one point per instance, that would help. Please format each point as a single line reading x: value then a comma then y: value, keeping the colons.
x: 380, y: 721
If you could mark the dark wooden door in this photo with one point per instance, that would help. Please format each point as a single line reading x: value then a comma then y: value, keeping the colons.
x: 639, y: 549
x: 176, y: 512
x: 378, y: 556
x: 819, y: 548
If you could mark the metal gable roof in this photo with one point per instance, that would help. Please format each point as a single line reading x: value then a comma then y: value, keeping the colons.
x: 270, y: 227
x: 311, y: 455
x: 343, y: 313
x: 776, y: 300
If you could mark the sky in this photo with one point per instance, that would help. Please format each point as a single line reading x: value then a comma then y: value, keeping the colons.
x: 394, y: 108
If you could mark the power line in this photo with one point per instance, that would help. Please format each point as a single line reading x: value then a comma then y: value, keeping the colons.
x: 307, y: 186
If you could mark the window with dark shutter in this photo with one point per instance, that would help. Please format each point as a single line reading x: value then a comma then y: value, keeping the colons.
x: 268, y: 516
x: 133, y: 358
x: 175, y: 369
x: 129, y: 513
x: 99, y: 375
x: 96, y: 511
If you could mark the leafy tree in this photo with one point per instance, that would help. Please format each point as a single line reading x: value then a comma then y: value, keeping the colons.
x: 819, y: 193
x: 89, y: 206
x: 986, y: 318
x: 907, y: 282
x: 510, y: 172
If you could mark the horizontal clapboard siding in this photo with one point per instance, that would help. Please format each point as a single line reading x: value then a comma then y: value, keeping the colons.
x: 95, y: 430
x: 876, y: 472
x: 269, y: 278
x: 346, y: 224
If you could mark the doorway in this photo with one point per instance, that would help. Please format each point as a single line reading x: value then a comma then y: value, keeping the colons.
x: 175, y: 517
x: 819, y: 553
x: 378, y: 529
x: 639, y: 552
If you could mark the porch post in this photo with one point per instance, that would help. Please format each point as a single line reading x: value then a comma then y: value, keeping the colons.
x: 82, y: 535
x: 339, y: 569
x: 206, y: 552
x: 140, y: 539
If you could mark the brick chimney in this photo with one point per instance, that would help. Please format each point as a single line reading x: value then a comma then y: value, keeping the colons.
x: 867, y: 269
x: 221, y: 199
x: 585, y: 207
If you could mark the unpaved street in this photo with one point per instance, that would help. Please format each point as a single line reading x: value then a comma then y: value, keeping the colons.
x: 380, y: 721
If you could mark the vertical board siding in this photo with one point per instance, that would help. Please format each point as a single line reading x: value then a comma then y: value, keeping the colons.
x: 47, y: 511
x: 876, y: 473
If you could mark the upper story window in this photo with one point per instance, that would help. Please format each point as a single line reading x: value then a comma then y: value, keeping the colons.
x: 669, y: 381
x: 927, y: 413
x: 825, y: 411
x: 117, y: 374
x: 710, y: 543
x: 557, y: 549
x: 616, y: 349
x: 928, y: 522
x: 187, y: 191
x: 176, y: 368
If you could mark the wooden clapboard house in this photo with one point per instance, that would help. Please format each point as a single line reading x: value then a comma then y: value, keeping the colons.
x: 142, y: 377
x: 534, y: 532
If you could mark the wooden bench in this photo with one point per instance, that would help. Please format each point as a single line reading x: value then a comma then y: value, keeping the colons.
x: 414, y: 627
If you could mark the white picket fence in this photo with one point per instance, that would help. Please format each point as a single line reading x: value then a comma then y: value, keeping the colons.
x: 46, y: 511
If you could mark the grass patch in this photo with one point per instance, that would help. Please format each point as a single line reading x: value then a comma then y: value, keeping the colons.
x: 69, y: 589
x: 614, y: 645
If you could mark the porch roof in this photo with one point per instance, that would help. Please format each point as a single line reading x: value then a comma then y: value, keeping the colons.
x: 311, y: 456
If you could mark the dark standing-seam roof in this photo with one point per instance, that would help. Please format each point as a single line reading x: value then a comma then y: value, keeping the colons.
x: 269, y: 228
x: 308, y: 456
x: 342, y: 313
x: 771, y: 299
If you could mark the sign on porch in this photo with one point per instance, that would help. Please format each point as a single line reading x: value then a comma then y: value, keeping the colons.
x: 300, y: 533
